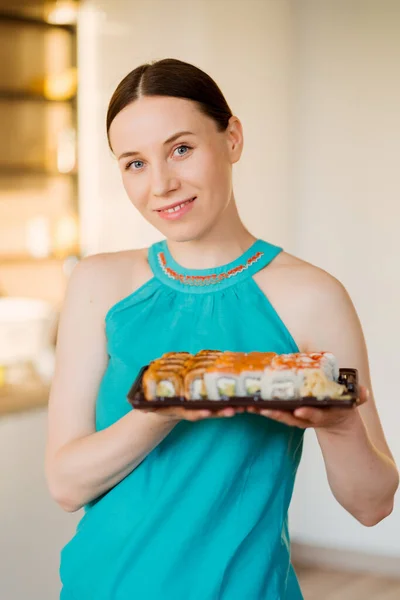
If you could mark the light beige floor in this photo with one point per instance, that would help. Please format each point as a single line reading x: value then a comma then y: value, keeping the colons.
x: 324, y: 584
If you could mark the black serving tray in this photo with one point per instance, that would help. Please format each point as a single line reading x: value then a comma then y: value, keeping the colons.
x: 347, y: 377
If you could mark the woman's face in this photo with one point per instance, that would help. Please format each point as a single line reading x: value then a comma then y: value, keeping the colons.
x: 176, y: 166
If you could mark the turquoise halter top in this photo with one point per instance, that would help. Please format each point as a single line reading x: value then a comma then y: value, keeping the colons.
x: 204, y: 516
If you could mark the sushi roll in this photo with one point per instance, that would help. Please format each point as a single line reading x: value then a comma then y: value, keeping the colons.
x: 162, y: 383
x: 203, y: 358
x: 175, y: 363
x: 280, y: 379
x: 175, y: 358
x: 228, y: 355
x: 250, y: 380
x: 252, y: 372
x: 291, y: 376
x: 318, y: 385
x: 284, y: 384
x: 328, y: 362
x: 219, y: 375
x: 194, y: 385
x: 260, y: 356
x: 222, y: 380
x: 177, y: 354
x: 320, y: 372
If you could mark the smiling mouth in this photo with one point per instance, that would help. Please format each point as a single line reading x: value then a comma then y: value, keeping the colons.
x: 176, y: 207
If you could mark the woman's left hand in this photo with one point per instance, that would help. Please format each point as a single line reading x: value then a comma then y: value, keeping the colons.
x: 332, y: 418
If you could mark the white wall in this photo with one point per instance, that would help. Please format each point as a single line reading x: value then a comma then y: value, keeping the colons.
x: 346, y: 195
x: 32, y: 528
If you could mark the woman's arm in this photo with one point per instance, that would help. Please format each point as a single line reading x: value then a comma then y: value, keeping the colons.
x: 360, y: 467
x: 82, y: 464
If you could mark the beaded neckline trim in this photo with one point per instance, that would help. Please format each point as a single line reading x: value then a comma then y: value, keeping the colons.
x: 200, y: 280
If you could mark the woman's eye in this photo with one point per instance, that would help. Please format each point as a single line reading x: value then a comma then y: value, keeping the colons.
x: 135, y: 164
x: 182, y: 149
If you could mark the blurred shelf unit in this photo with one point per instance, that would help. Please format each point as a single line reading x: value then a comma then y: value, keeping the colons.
x: 73, y: 253
x: 38, y: 148
x: 13, y: 18
x: 39, y: 210
x: 31, y: 96
x: 14, y: 170
x: 23, y: 397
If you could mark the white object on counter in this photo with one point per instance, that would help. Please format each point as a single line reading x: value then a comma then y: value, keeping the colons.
x: 26, y: 327
x: 44, y: 364
x: 38, y: 237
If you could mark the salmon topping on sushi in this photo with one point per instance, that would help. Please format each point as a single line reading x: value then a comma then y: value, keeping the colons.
x: 216, y: 375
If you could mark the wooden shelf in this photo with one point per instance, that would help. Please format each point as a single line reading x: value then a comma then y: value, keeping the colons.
x: 23, y: 397
x: 14, y: 18
x: 27, y: 258
x: 11, y: 171
x: 41, y: 93
x: 26, y: 96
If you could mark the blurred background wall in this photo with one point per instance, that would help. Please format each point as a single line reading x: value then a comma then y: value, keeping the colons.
x: 316, y: 86
x: 346, y: 144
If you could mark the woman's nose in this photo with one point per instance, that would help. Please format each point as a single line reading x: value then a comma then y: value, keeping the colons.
x: 163, y: 181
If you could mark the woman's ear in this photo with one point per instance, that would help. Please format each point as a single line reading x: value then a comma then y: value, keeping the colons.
x: 234, y: 133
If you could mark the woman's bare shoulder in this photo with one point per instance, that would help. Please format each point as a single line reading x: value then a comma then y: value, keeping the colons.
x: 116, y: 263
x: 301, y: 292
x: 107, y: 277
x: 295, y: 274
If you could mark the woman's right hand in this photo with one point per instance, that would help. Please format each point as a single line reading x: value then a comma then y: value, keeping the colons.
x: 178, y: 413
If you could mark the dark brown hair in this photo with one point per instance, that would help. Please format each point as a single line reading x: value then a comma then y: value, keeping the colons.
x: 171, y: 77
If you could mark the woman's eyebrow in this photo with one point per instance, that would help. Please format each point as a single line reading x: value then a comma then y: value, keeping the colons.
x: 172, y: 138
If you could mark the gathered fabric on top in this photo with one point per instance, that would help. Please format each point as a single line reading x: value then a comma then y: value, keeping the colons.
x: 204, y: 516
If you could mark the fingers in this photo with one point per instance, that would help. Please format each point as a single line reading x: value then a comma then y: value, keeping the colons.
x: 194, y: 415
x: 226, y: 412
x: 334, y: 419
x: 364, y: 395
x: 301, y: 417
x: 285, y: 417
x: 314, y: 416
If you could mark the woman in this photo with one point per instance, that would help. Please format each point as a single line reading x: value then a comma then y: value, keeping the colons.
x: 180, y: 505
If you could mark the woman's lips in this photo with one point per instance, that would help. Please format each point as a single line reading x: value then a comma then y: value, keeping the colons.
x: 177, y: 211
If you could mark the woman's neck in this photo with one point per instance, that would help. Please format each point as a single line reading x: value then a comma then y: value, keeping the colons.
x: 219, y: 246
